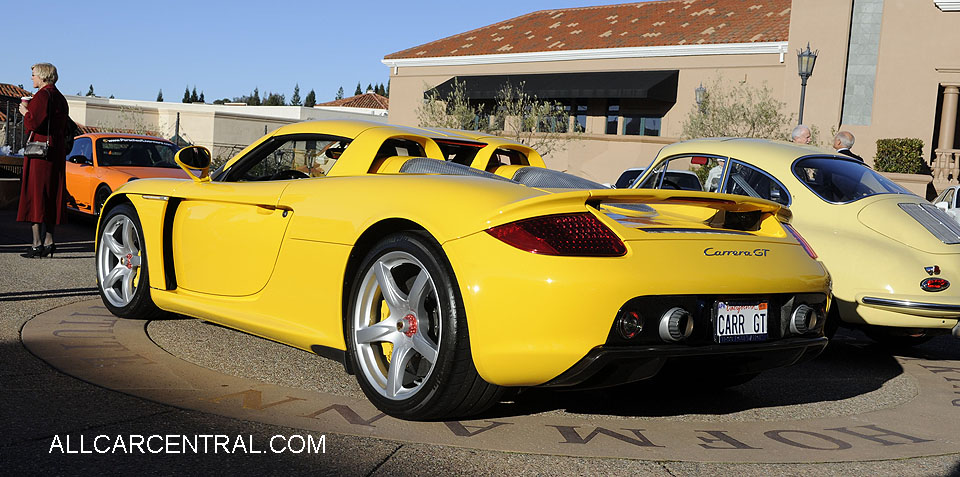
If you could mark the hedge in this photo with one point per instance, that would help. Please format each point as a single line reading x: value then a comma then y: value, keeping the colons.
x: 904, y: 155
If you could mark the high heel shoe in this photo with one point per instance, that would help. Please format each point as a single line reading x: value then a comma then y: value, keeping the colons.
x: 33, y: 252
x: 48, y: 250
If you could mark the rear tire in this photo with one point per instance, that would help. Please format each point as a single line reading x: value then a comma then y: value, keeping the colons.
x: 406, y: 333
x: 122, y: 277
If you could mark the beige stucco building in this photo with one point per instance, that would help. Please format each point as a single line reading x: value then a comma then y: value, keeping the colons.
x: 886, y: 68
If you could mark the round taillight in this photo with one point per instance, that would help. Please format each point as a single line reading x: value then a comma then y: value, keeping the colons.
x: 934, y: 284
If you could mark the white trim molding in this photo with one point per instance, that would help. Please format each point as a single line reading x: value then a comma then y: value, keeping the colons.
x: 948, y: 5
x: 773, y: 47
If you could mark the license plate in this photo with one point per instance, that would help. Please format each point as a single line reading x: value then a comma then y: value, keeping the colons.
x: 740, y: 322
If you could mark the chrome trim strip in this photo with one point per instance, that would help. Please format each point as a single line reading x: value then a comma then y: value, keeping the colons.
x: 869, y: 300
x: 155, y: 197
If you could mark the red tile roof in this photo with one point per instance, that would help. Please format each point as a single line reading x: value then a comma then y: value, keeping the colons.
x: 367, y: 100
x: 655, y: 23
x: 13, y: 91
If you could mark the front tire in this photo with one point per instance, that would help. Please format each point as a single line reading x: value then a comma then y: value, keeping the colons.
x: 407, y: 335
x: 122, y: 265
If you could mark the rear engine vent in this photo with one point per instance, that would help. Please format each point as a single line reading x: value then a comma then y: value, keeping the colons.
x: 423, y: 165
x: 934, y: 220
x: 549, y: 179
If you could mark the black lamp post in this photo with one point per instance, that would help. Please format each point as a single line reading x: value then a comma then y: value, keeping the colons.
x: 805, y: 61
x: 701, y: 93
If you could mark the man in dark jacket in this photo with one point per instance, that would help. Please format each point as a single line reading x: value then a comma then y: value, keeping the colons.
x: 842, y: 142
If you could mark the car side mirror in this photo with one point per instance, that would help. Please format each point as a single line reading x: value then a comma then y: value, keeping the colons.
x: 80, y: 159
x: 194, y: 158
x: 942, y: 206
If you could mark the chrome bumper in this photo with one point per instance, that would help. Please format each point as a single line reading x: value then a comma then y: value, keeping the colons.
x: 913, y: 305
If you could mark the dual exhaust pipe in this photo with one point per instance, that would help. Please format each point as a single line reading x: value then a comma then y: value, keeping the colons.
x: 676, y: 324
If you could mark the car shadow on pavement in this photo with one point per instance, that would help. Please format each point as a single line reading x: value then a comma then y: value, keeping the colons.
x: 847, y: 369
x: 74, y: 238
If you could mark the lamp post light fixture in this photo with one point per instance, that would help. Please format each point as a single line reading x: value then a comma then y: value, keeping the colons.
x: 701, y: 94
x: 805, y: 61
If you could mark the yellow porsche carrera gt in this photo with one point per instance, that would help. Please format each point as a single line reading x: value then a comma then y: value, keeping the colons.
x: 439, y: 284
x: 892, y: 254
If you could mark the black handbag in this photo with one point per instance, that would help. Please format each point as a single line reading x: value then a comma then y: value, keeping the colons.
x: 37, y: 149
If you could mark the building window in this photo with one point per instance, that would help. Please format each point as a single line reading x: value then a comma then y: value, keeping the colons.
x: 638, y: 125
x: 580, y: 119
x: 613, y: 116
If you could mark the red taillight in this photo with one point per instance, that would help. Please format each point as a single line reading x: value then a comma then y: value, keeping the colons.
x: 577, y: 235
x: 796, y: 235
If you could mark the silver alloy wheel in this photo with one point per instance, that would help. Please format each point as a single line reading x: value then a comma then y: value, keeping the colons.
x: 118, y: 260
x: 397, y: 350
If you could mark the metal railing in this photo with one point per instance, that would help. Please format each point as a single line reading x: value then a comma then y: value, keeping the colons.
x: 12, y: 127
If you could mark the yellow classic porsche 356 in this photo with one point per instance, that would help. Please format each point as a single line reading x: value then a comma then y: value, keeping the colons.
x: 892, y: 254
x: 439, y: 284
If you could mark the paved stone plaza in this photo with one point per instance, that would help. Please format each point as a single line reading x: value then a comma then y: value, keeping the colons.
x: 71, y: 372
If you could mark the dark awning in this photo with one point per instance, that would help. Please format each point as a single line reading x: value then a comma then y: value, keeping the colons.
x: 656, y: 85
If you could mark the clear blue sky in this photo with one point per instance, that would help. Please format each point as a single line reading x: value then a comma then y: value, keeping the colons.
x: 132, y: 49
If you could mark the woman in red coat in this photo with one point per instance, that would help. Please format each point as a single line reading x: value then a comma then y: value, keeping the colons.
x: 42, y: 188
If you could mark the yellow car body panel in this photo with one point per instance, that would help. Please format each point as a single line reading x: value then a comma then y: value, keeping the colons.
x: 875, y: 252
x: 552, y: 316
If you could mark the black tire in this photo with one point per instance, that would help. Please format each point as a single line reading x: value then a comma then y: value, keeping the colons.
x: 100, y: 198
x: 121, y: 262
x: 897, y: 338
x: 407, y: 274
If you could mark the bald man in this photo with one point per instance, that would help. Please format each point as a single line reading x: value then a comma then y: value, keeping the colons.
x: 842, y: 142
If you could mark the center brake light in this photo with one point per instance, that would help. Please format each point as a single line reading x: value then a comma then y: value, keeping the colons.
x: 796, y: 235
x: 570, y: 235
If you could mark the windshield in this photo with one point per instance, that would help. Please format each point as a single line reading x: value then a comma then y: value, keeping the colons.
x: 136, y: 152
x: 841, y: 181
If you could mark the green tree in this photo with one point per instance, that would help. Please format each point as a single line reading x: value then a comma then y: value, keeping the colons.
x: 358, y: 91
x: 193, y: 95
x: 540, y: 124
x: 274, y: 99
x: 740, y: 110
x: 386, y: 92
x: 451, y: 111
x: 311, y: 99
x: 295, y: 99
x: 339, y: 94
x: 254, y: 99
x: 201, y: 97
x: 90, y: 91
x: 160, y: 96
x: 186, y: 95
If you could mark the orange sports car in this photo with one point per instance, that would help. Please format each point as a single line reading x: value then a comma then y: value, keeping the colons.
x: 99, y: 163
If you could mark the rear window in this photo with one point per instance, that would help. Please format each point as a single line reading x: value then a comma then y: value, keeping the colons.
x: 841, y: 181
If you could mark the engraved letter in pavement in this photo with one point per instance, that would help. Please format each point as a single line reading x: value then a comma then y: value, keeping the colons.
x: 573, y: 437
x: 252, y: 399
